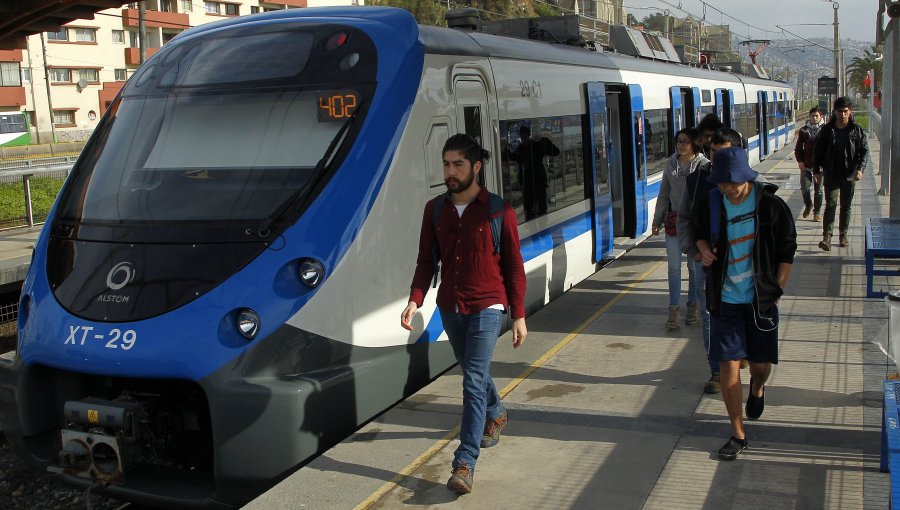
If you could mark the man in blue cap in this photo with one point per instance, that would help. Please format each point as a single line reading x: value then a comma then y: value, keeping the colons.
x: 747, y: 240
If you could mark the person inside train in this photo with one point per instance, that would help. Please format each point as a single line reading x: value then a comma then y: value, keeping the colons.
x: 530, y: 156
x: 476, y: 291
x: 688, y: 158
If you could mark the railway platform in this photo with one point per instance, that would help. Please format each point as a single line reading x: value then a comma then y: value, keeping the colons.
x: 607, y: 408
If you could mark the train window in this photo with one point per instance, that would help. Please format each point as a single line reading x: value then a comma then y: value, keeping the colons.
x: 542, y: 164
x: 434, y: 144
x: 706, y: 96
x: 706, y: 110
x: 249, y: 58
x: 472, y: 116
x: 657, y: 134
x: 639, y: 143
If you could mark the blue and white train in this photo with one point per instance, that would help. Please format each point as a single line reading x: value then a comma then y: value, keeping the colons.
x: 215, y: 296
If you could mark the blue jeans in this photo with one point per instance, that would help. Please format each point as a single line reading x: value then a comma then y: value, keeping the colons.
x: 473, y: 338
x: 700, y: 285
x: 673, y: 252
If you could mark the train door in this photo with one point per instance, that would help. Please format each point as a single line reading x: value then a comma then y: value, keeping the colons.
x: 601, y: 150
x: 635, y: 180
x: 762, y: 120
x: 725, y: 106
x: 620, y: 159
x: 472, y: 118
x: 679, y: 110
x: 696, y: 108
x: 774, y: 121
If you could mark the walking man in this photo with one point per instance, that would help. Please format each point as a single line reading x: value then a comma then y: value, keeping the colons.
x: 479, y: 283
x: 803, y: 152
x: 696, y: 184
x: 747, y: 241
x: 841, y: 154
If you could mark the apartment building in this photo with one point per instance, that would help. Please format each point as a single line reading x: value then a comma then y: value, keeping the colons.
x: 65, y: 80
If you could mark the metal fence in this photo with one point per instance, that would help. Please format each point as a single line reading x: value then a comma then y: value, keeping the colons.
x: 27, y: 194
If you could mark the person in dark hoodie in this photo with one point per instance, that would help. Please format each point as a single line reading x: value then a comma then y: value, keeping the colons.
x: 803, y: 152
x: 747, y: 240
x: 841, y: 154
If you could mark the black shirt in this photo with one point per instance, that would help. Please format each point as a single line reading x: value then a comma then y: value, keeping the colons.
x: 840, y: 148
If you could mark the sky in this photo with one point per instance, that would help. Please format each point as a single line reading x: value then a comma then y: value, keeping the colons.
x: 856, y: 18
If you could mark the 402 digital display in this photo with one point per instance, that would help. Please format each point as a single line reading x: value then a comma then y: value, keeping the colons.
x: 337, y: 105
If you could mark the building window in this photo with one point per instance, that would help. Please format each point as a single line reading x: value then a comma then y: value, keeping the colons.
x: 63, y: 117
x: 10, y: 76
x: 62, y: 35
x: 168, y: 36
x: 26, y: 75
x: 86, y: 35
x: 134, y: 39
x: 89, y: 75
x: 232, y: 9
x: 167, y: 6
x: 187, y: 6
x: 211, y: 7
x: 118, y: 36
x: 60, y: 75
x: 254, y: 9
x: 121, y: 75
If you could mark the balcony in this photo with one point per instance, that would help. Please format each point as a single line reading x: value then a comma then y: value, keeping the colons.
x: 157, y: 19
x: 292, y: 3
x: 12, y: 97
x: 133, y: 55
x: 10, y: 55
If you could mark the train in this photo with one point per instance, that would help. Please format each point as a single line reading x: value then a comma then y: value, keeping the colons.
x: 215, y: 296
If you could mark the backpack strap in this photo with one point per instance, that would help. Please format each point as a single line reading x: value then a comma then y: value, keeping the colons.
x: 496, y: 206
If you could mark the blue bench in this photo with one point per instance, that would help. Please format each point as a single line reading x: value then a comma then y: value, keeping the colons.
x: 890, y: 439
x: 883, y: 242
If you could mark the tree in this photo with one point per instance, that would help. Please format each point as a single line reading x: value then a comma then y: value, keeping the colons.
x: 656, y: 22
x: 426, y: 12
x: 630, y: 20
x: 859, y: 67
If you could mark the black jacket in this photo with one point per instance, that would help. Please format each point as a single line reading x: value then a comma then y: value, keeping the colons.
x: 855, y: 157
x: 776, y: 243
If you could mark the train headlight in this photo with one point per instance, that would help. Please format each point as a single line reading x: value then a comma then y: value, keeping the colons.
x: 248, y: 323
x: 311, y: 272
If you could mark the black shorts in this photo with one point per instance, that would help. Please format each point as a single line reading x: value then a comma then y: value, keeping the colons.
x: 741, y: 333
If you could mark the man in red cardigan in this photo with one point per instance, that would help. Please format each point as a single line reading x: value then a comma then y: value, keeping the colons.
x: 478, y: 285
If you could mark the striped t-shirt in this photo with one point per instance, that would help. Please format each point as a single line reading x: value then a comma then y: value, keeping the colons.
x: 741, y: 230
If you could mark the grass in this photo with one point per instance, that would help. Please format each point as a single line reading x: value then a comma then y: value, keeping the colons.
x: 12, y: 199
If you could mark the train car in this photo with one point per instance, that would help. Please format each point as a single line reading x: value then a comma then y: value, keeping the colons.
x: 214, y: 299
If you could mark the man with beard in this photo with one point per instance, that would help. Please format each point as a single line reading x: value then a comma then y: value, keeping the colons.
x: 479, y: 284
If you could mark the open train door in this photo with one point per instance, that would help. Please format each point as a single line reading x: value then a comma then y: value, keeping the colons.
x: 761, y: 119
x: 697, y: 108
x: 599, y: 144
x: 637, y: 180
x: 725, y: 106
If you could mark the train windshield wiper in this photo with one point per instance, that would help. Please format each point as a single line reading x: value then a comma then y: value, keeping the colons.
x: 293, y: 204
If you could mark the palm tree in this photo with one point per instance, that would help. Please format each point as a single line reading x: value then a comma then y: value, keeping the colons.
x: 859, y: 66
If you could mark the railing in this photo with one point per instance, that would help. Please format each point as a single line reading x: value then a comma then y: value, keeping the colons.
x: 56, y: 173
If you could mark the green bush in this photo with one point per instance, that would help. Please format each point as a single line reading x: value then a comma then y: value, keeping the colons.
x: 43, y: 193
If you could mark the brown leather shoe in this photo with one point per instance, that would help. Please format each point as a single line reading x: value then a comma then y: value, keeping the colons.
x: 842, y: 240
x: 461, y: 479
x: 806, y: 210
x: 825, y: 243
x: 817, y: 218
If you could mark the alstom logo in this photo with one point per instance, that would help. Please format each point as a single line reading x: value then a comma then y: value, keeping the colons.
x: 120, y: 275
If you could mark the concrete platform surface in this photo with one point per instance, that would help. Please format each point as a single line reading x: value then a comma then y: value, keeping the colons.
x: 607, y: 408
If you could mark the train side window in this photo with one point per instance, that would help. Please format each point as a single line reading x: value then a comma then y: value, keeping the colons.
x: 472, y: 121
x: 705, y: 96
x: 657, y: 139
x: 434, y: 144
x: 545, y: 171
x: 639, y: 128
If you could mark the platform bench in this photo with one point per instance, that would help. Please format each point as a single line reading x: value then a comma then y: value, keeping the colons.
x: 882, y: 242
x: 890, y: 440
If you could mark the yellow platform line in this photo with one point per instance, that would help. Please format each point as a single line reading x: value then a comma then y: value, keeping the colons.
x: 442, y: 442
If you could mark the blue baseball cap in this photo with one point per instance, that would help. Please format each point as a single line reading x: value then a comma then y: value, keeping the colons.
x: 731, y: 165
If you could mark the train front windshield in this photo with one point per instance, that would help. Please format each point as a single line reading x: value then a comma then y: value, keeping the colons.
x: 225, y: 128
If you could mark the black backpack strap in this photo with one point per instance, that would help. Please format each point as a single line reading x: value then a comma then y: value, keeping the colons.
x: 437, y: 207
x: 496, y: 207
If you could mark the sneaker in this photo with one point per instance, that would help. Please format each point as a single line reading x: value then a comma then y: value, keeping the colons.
x: 806, y: 210
x: 755, y: 405
x: 492, y: 430
x: 817, y: 218
x: 744, y: 364
x: 842, y: 240
x: 713, y: 385
x: 674, y: 315
x: 693, y: 314
x: 461, y: 480
x: 732, y: 448
x: 825, y: 243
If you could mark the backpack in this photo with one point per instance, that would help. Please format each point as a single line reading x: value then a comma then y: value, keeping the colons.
x: 496, y: 206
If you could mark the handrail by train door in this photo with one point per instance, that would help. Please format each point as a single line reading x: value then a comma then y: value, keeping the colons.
x: 729, y: 114
x: 762, y: 121
x: 720, y: 105
x: 598, y: 156
x: 775, y: 121
x: 697, y: 107
x: 676, y: 117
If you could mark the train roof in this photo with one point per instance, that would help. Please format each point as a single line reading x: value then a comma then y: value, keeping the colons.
x: 448, y: 41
